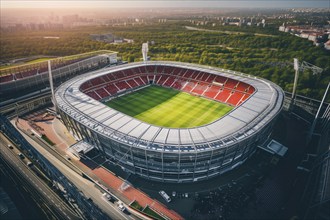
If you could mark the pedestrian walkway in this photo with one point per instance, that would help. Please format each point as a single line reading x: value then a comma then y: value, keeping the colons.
x: 61, y: 137
x: 134, y: 194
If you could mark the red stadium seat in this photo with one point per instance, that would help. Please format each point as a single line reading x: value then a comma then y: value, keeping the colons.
x: 18, y: 76
x: 242, y: 86
x: 127, y: 73
x: 159, y: 69
x: 203, y: 76
x: 6, y: 78
x: 139, y: 81
x: 97, y: 81
x: 231, y: 83
x: 188, y: 74
x: 220, y: 79
x: 150, y: 78
x: 132, y: 83
x: 111, y: 89
x: 178, y: 83
x: 111, y: 76
x: 212, y: 91
x: 235, y: 98
x: 102, y: 93
x: 231, y: 91
x: 142, y: 69
x: 189, y: 86
x: 29, y: 73
x: 223, y: 95
x: 170, y: 80
x: 250, y: 90
x: 200, y: 88
x: 168, y: 70
x: 245, y: 97
x: 162, y: 79
x: 196, y: 75
x: 145, y: 79
x: 122, y: 85
x: 157, y: 78
x: 93, y: 95
x: 210, y: 78
x: 131, y: 72
x: 151, y: 69
x: 119, y: 75
x: 177, y: 71
x: 105, y: 78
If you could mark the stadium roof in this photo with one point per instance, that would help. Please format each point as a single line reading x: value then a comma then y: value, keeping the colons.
x: 243, y: 121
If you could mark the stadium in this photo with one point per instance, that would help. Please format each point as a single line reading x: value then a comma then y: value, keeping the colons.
x: 171, y: 121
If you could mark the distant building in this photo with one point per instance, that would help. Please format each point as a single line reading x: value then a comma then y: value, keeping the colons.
x: 313, y: 36
x: 304, y: 35
x: 281, y: 28
x: 110, y: 38
x: 327, y: 45
x: 118, y: 40
x: 318, y: 42
x: 287, y: 29
x: 318, y: 35
x: 128, y: 40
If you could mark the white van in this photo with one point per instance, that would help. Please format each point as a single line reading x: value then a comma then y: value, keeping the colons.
x: 165, y: 196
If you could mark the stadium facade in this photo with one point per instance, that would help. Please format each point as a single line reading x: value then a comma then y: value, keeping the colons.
x: 171, y: 154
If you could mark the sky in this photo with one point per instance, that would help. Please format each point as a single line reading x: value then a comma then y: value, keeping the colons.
x: 164, y: 3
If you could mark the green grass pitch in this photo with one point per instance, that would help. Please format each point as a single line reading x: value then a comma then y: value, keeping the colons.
x: 169, y: 108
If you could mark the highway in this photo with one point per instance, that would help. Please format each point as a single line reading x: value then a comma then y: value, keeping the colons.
x: 32, y: 183
x: 87, y: 187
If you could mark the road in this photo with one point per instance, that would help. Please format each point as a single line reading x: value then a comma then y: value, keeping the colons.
x: 86, y: 186
x: 227, y: 32
x: 33, y: 183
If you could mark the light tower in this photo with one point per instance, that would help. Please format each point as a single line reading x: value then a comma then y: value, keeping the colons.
x: 301, y: 67
x: 145, y: 50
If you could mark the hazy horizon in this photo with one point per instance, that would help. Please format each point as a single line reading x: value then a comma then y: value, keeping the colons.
x: 8, y: 4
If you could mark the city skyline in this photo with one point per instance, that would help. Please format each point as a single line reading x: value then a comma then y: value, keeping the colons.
x: 166, y: 4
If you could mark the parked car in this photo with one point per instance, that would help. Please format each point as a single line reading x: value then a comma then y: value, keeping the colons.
x: 165, y: 196
x: 121, y: 206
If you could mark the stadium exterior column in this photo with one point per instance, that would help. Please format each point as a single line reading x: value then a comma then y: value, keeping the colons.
x: 311, y: 131
x: 51, y: 85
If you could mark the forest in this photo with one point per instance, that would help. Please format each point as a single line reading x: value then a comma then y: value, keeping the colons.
x: 269, y: 56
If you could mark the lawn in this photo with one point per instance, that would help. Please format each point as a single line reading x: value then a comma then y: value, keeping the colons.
x: 169, y: 108
x: 152, y: 213
x: 136, y: 206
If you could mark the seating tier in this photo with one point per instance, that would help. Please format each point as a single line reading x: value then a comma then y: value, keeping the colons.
x: 219, y: 88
